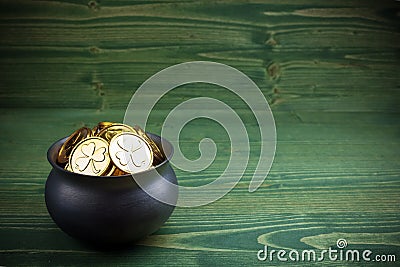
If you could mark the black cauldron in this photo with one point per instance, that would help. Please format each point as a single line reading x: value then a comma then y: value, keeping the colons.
x: 110, y: 210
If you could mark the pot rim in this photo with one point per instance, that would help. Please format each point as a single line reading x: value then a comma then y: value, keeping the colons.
x: 151, y: 135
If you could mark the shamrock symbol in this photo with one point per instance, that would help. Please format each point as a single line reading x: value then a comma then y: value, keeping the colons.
x: 91, y: 155
x: 127, y: 154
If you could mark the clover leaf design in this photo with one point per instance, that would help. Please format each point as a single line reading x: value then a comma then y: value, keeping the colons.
x: 127, y: 154
x: 91, y: 156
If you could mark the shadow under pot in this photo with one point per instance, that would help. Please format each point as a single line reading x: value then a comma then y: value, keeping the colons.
x: 110, y: 210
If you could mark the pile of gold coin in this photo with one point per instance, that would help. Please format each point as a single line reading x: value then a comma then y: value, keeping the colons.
x: 109, y: 149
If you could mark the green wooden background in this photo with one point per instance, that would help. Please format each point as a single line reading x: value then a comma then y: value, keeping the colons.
x: 329, y: 69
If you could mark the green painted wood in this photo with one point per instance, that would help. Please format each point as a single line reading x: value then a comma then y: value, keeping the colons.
x: 328, y: 69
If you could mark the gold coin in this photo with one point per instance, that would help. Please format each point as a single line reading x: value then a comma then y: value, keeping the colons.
x: 67, y: 167
x: 130, y: 152
x: 90, y: 157
x: 100, y: 126
x: 104, y: 124
x: 66, y: 148
x: 118, y: 172
x: 95, y: 130
x: 110, y: 171
x: 110, y: 131
x: 158, y: 154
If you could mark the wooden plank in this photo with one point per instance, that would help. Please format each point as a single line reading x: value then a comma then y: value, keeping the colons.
x: 354, y: 187
x: 66, y: 57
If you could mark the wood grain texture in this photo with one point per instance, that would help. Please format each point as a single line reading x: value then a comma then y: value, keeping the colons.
x: 328, y: 69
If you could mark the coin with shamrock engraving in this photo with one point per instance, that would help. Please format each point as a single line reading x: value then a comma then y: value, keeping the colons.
x: 67, y: 167
x: 66, y: 149
x: 90, y: 157
x: 157, y: 152
x: 130, y: 152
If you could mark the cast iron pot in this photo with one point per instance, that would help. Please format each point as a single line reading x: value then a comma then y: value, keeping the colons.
x: 111, y: 210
